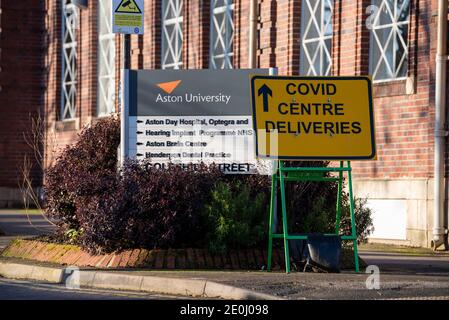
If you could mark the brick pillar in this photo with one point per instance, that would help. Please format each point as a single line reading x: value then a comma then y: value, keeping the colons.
x: 151, y: 46
x: 267, y: 33
x: 196, y: 34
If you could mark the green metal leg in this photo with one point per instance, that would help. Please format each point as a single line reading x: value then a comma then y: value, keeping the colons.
x: 340, y: 187
x: 284, y: 218
x: 270, y: 230
x: 274, y: 234
x: 353, y: 229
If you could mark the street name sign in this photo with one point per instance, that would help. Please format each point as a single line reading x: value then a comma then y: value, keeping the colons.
x: 313, y: 118
x: 128, y: 16
x: 191, y: 116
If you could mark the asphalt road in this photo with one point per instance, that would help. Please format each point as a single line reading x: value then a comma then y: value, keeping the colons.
x: 17, y: 222
x: 391, y: 263
x: 25, y: 290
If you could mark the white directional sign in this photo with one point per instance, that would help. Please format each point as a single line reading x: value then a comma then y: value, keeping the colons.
x: 226, y: 140
x: 128, y: 16
x: 192, y: 116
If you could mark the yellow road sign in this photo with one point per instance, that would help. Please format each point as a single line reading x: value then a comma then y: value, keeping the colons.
x: 313, y: 118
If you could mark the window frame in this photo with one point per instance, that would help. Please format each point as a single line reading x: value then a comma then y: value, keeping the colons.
x: 178, y: 23
x: 111, y: 75
x: 229, y: 10
x: 65, y: 108
x: 393, y: 32
x: 322, y: 50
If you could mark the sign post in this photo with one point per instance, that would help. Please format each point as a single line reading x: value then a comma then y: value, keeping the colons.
x: 312, y: 118
x: 127, y: 19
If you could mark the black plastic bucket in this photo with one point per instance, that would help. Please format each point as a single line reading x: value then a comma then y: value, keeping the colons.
x: 318, y: 251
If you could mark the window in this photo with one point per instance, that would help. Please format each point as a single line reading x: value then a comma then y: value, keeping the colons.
x: 172, y: 34
x: 222, y: 34
x: 316, y: 37
x: 388, y: 43
x: 70, y: 17
x: 106, y: 59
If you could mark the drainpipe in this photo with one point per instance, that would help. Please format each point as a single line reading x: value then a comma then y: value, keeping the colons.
x: 440, y: 127
x: 252, y: 34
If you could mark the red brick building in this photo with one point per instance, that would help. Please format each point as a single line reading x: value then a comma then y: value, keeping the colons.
x: 392, y: 40
x: 22, y: 85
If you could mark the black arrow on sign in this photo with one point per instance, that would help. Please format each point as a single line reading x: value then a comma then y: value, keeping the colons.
x: 139, y: 132
x: 139, y: 143
x: 139, y: 121
x: 265, y: 91
x: 139, y: 155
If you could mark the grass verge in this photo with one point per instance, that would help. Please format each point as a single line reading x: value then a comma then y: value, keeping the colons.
x: 21, y: 211
x: 389, y: 248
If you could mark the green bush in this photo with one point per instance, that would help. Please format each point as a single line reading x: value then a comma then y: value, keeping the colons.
x: 234, y: 217
x: 322, y: 218
x: 311, y: 208
x: 363, y: 220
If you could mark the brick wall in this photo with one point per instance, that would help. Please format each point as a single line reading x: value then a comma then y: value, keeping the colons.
x: 21, y: 87
x: 60, y: 133
x: 403, y: 109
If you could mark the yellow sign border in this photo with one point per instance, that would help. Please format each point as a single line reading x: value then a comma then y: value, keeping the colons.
x: 372, y: 156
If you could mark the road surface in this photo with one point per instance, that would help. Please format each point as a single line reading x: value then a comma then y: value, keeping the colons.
x: 408, y: 265
x: 26, y: 290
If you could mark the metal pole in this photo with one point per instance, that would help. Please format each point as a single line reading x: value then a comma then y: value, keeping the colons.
x: 274, y: 164
x: 273, y: 204
x: 284, y: 217
x: 273, y: 222
x: 353, y: 222
x: 124, y: 98
x: 340, y: 190
x: 440, y: 127
x: 127, y: 51
x: 252, y: 35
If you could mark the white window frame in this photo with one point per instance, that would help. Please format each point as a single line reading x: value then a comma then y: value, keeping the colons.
x: 171, y: 47
x: 106, y: 61
x: 322, y: 51
x: 224, y: 40
x: 393, y: 35
x: 69, y: 63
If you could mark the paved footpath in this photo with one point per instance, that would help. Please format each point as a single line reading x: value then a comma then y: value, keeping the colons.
x: 346, y: 285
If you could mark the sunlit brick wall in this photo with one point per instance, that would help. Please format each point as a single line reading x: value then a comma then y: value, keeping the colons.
x: 21, y: 87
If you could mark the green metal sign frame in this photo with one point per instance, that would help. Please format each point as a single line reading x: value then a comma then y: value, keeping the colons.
x: 285, y: 174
